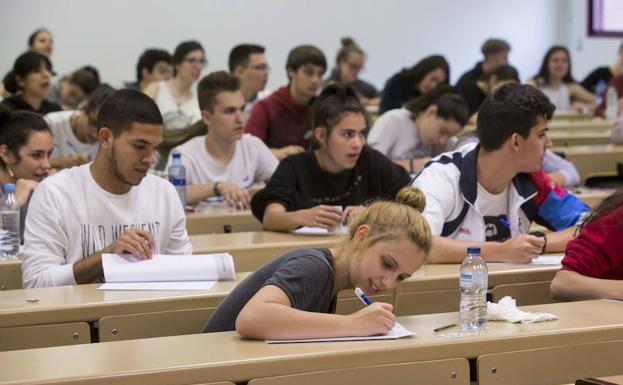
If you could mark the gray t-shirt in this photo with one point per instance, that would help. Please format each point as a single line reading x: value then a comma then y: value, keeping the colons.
x: 305, y: 275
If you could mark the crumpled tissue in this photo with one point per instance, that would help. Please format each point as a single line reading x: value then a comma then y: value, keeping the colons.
x: 506, y: 310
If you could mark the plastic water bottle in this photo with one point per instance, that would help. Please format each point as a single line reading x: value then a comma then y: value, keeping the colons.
x: 474, y: 283
x: 600, y: 89
x: 177, y: 176
x: 9, y: 212
x: 611, y: 103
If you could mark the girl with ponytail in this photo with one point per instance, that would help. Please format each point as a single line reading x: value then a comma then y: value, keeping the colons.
x: 340, y: 171
x: 294, y: 296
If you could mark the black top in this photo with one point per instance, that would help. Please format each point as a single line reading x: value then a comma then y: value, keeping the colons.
x: 305, y: 275
x: 468, y: 87
x: 300, y: 183
x: 599, y: 74
x: 364, y: 88
x: 398, y: 89
x: 17, y: 103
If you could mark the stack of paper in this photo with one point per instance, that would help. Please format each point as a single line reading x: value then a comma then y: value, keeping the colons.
x: 166, y: 272
x: 397, y: 332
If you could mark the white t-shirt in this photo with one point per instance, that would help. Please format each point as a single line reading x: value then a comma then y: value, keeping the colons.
x: 252, y: 162
x: 65, y: 141
x: 395, y: 135
x: 493, y: 207
x: 71, y: 217
x: 174, y: 114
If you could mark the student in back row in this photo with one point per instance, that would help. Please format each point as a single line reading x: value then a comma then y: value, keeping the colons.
x: 283, y: 119
x: 342, y: 170
x: 474, y: 193
x: 248, y: 63
x: 111, y: 205
x: 226, y: 161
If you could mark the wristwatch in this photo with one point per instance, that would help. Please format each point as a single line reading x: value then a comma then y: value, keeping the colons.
x: 215, y: 189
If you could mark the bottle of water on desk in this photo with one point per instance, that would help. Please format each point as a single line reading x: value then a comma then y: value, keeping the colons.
x: 177, y: 176
x: 474, y: 283
x: 611, y: 103
x: 9, y: 212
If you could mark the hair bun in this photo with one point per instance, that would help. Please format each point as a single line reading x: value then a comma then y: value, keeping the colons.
x: 347, y: 41
x: 413, y: 197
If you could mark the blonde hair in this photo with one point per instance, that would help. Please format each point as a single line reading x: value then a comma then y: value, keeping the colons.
x: 392, y: 220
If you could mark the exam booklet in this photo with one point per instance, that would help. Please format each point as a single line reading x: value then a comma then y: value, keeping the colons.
x: 397, y: 332
x: 166, y: 272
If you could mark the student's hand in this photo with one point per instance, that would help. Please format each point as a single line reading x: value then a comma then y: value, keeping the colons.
x: 351, y: 212
x: 373, y: 319
x: 23, y: 190
x: 133, y: 241
x: 283, y: 152
x: 235, y: 195
x: 321, y: 216
x: 522, y: 248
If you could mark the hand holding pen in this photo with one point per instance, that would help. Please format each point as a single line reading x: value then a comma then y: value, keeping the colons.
x: 523, y: 247
x: 374, y: 319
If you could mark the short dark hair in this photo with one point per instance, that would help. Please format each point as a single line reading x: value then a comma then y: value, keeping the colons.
x: 124, y: 107
x: 493, y: 46
x: 414, y: 75
x: 213, y: 84
x: 16, y: 127
x: 333, y: 102
x: 87, y: 78
x: 183, y: 49
x: 33, y: 36
x: 240, y: 55
x: 450, y: 104
x: 26, y: 63
x: 97, y: 97
x: 505, y: 72
x: 305, y: 54
x: 543, y: 75
x: 149, y: 59
x: 513, y: 108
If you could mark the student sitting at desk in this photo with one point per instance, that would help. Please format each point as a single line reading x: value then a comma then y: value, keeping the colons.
x: 472, y: 192
x: 25, y: 148
x: 424, y: 127
x: 226, y: 161
x: 295, y: 295
x: 593, y: 264
x: 108, y: 206
x: 341, y: 171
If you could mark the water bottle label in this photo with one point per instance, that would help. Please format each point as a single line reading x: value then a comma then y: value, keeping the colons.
x: 177, y: 181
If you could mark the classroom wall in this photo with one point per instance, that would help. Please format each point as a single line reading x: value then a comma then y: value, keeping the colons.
x: 396, y: 33
x: 587, y: 53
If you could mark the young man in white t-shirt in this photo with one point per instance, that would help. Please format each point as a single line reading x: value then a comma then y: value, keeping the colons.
x: 111, y: 205
x: 226, y: 161
x: 489, y: 194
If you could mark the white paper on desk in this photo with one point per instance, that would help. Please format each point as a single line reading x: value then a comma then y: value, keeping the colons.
x: 547, y: 260
x: 397, y: 332
x: 341, y: 229
x: 167, y: 268
x: 169, y: 286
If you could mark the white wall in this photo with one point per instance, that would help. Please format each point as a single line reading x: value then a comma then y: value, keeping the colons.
x: 396, y: 33
x: 586, y: 52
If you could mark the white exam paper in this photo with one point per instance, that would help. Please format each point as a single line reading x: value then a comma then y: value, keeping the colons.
x: 169, y: 286
x: 397, y: 332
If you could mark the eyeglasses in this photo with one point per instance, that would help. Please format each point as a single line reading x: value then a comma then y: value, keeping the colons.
x: 203, y: 62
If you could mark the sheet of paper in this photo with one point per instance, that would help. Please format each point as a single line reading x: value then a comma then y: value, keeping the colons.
x: 397, y: 332
x: 341, y: 229
x: 170, y: 286
x: 547, y: 260
x: 165, y: 268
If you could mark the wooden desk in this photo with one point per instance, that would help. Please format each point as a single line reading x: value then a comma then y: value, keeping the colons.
x: 593, y: 160
x: 562, y: 138
x: 10, y: 275
x: 591, y: 125
x: 201, y: 358
x: 435, y: 288
x: 592, y: 196
x: 210, y: 219
x: 253, y: 249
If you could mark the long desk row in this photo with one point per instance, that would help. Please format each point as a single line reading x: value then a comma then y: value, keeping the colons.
x: 585, y: 341
x: 59, y: 315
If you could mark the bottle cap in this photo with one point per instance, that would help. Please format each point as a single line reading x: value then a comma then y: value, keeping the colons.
x: 9, y: 187
x: 177, y: 155
x: 473, y: 250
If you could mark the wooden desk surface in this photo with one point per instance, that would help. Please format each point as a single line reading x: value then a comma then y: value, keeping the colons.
x: 220, y: 218
x: 593, y: 160
x: 203, y: 358
x: 84, y: 303
x: 595, y: 124
x: 574, y: 138
x: 10, y: 274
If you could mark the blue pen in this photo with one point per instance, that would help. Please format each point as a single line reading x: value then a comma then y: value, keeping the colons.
x: 362, y: 296
x: 506, y: 223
